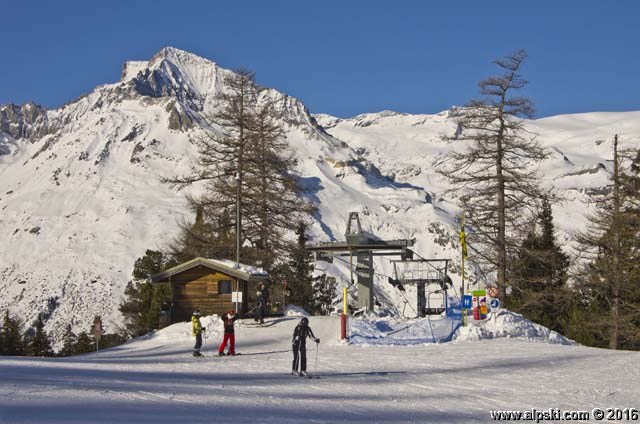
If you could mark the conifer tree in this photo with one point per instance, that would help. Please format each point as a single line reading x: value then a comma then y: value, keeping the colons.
x: 247, y: 167
x: 609, y: 282
x: 539, y: 275
x: 222, y: 153
x: 85, y: 344
x: 143, y: 300
x: 325, y: 290
x: 272, y: 189
x: 211, y: 238
x: 298, y: 272
x: 493, y: 173
x: 151, y: 263
x: 12, y: 338
x: 40, y: 344
x: 69, y: 342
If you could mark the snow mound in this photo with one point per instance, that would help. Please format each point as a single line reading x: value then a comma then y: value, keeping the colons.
x: 389, y: 331
x: 295, y: 311
x: 373, y: 331
x: 182, y: 331
x: 507, y: 324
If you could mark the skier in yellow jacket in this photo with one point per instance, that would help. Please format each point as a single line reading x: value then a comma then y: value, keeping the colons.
x: 197, y: 331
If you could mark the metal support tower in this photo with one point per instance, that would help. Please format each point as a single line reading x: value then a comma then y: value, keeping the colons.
x: 364, y: 246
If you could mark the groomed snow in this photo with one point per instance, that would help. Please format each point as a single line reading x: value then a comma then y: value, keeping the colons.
x: 155, y: 380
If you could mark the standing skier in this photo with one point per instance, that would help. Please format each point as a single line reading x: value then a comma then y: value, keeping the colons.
x: 229, y: 333
x: 299, y: 344
x: 197, y: 329
x: 261, y: 298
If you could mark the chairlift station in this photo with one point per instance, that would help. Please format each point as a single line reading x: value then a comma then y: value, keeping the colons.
x: 363, y: 246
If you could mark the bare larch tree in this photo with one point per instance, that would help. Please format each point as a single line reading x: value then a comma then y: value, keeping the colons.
x: 244, y: 158
x: 495, y: 173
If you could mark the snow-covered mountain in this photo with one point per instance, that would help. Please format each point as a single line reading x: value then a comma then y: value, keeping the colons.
x: 81, y: 198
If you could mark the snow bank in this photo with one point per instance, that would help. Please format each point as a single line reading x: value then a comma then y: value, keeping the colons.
x: 182, y: 331
x: 295, y: 311
x: 507, y: 324
x: 374, y: 331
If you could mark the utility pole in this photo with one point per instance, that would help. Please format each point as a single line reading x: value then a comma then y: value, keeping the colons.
x: 238, y: 215
x: 238, y: 226
x: 463, y: 251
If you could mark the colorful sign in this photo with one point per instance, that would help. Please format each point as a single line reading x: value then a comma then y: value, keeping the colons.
x: 479, y: 304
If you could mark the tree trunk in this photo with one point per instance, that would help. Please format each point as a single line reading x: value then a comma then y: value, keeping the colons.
x: 615, y: 283
x: 502, y: 248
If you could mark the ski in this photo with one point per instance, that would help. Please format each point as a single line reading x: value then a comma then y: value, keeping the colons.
x: 304, y: 376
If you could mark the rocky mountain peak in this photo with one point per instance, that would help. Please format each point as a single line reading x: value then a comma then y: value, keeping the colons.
x: 178, y: 57
x: 22, y: 121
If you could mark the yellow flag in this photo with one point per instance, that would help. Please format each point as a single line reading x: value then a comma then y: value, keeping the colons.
x: 463, y: 243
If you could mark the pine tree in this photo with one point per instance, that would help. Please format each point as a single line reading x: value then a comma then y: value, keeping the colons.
x: 40, y: 344
x: 69, y: 342
x: 85, y: 344
x: 12, y: 338
x: 539, y: 276
x: 609, y: 283
x: 298, y: 272
x: 151, y: 263
x: 142, y: 305
x: 494, y: 174
x: 325, y: 293
x: 142, y: 302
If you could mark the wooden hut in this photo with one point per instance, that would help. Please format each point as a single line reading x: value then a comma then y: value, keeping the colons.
x: 210, y: 285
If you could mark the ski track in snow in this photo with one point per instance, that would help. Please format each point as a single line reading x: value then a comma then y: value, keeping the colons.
x: 154, y: 379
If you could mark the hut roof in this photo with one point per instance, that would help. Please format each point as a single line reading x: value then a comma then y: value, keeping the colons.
x: 242, y: 271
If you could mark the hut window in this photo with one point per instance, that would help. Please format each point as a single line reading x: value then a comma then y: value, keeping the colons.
x: 224, y: 287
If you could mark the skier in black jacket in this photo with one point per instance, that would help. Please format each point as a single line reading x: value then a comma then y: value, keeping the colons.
x: 262, y: 298
x: 299, y: 344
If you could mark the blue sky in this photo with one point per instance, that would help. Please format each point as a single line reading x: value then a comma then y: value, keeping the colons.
x: 339, y: 57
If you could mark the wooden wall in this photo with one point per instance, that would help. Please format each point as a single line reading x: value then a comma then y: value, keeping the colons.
x: 197, y: 288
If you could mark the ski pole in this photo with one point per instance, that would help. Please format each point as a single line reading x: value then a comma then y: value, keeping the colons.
x: 315, y: 367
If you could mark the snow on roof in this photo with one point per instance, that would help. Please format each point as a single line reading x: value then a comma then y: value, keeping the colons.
x: 241, y: 271
x: 249, y: 269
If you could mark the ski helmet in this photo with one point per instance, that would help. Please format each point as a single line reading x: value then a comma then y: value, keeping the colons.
x: 196, y: 313
x: 304, y: 321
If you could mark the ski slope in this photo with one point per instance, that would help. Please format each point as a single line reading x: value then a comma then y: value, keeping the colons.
x: 155, y: 379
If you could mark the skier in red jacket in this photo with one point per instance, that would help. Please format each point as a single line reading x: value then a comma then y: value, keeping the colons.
x: 228, y: 319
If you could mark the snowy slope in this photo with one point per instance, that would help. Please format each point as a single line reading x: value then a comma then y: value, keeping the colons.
x: 408, y: 147
x: 80, y: 191
x: 155, y: 380
x: 80, y: 196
